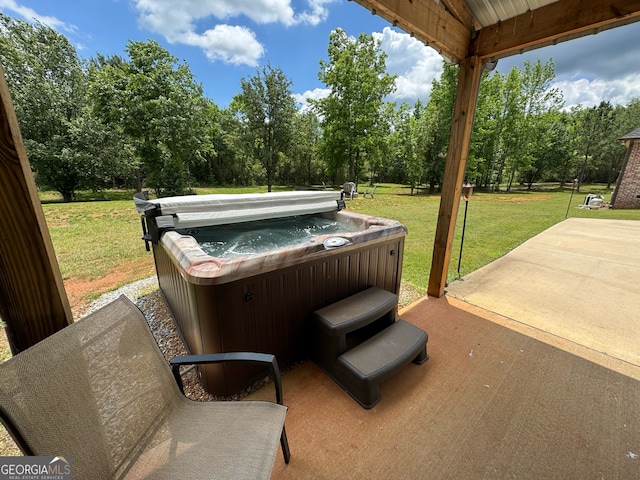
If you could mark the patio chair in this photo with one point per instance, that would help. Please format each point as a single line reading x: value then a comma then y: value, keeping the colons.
x: 370, y: 191
x: 101, y: 393
x: 349, y: 189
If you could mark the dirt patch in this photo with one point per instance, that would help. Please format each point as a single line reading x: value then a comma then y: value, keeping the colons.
x: 82, y: 291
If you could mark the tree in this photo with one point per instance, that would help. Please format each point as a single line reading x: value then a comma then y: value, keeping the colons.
x: 437, y: 125
x: 68, y: 148
x: 226, y: 163
x: 593, y: 129
x: 354, y: 119
x: 307, y: 126
x: 162, y: 110
x: 551, y: 151
x: 267, y: 109
x: 407, y: 136
x: 485, y: 138
x: 538, y: 100
x: 515, y: 120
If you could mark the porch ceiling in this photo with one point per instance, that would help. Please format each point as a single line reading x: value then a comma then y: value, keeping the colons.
x: 493, y: 29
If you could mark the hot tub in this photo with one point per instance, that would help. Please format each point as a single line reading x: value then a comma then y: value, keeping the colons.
x: 241, y: 299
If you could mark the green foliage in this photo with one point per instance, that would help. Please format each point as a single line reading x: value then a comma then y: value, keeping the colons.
x: 142, y: 121
x: 267, y: 111
x: 306, y: 167
x: 520, y: 134
x: 355, y: 121
x: 161, y: 110
x: 436, y: 126
x: 68, y: 148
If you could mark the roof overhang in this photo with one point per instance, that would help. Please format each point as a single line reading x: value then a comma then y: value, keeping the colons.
x: 452, y: 27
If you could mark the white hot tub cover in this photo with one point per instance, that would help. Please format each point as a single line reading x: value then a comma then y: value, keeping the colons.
x: 219, y: 209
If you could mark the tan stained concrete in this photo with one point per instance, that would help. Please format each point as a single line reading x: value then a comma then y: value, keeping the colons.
x: 518, y: 387
x: 578, y: 280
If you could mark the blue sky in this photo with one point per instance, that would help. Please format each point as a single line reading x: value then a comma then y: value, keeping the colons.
x: 224, y: 41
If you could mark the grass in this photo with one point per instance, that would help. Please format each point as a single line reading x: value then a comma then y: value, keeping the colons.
x: 98, y: 242
x: 496, y: 224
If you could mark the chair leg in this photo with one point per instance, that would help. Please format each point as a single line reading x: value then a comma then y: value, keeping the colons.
x: 285, y: 446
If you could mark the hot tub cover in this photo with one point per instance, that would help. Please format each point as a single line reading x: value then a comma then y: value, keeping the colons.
x: 217, y: 209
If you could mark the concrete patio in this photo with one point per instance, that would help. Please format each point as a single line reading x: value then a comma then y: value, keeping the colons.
x: 534, y: 375
x: 578, y: 280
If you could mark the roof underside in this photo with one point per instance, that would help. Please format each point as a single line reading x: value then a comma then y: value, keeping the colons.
x: 488, y: 12
x: 493, y: 29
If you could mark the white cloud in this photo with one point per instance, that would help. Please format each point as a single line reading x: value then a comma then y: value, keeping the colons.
x: 415, y: 64
x: 168, y: 16
x: 177, y: 22
x: 589, y: 93
x: 31, y: 15
x: 315, y: 94
x: 231, y: 44
x: 318, y: 13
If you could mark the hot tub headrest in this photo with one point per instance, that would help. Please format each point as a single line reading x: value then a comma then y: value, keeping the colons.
x: 216, y: 209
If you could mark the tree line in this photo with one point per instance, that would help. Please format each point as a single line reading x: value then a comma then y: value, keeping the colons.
x: 143, y: 121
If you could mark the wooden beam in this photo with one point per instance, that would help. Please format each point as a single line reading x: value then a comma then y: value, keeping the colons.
x: 553, y: 23
x: 463, y: 13
x: 469, y: 77
x: 427, y: 21
x: 33, y: 302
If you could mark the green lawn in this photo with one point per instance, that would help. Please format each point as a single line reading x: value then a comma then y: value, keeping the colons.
x: 98, y: 242
x: 496, y: 223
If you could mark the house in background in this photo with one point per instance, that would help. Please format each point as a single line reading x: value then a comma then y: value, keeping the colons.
x: 627, y: 192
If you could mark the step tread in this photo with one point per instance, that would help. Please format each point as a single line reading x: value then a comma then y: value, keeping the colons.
x: 381, y: 354
x: 355, y: 311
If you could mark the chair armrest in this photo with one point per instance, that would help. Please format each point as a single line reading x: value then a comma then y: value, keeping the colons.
x: 211, y: 358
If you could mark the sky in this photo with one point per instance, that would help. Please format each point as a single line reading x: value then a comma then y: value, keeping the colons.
x: 224, y: 41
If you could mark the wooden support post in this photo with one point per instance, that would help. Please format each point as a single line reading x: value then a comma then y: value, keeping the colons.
x: 469, y: 77
x: 33, y: 302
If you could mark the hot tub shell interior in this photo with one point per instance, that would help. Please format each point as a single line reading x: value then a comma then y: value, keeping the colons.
x: 262, y: 303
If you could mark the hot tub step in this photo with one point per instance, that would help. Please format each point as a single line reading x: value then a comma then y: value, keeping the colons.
x: 363, y: 368
x: 348, y: 322
x: 359, y: 343
x: 356, y: 311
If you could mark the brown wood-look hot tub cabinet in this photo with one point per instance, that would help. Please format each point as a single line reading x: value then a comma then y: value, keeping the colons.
x: 262, y: 302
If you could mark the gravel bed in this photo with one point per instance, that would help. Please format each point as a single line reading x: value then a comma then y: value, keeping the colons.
x: 147, y: 296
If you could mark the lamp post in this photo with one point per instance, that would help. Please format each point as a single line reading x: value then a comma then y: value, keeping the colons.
x: 467, y: 191
x: 575, y: 182
x: 267, y: 124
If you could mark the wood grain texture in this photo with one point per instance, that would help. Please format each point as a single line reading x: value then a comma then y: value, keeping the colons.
x: 427, y: 21
x: 33, y: 303
x: 553, y: 23
x: 461, y: 127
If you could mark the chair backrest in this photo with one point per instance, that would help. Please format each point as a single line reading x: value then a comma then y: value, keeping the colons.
x: 349, y: 187
x: 93, y: 391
